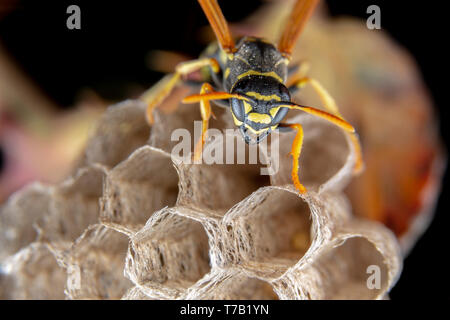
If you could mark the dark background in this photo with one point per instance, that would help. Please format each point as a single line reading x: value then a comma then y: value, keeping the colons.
x: 109, y: 53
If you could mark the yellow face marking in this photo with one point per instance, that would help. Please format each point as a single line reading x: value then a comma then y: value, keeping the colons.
x: 257, y: 73
x: 256, y: 131
x: 262, y: 96
x: 227, y: 73
x: 247, y: 107
x: 274, y: 111
x: 259, y: 118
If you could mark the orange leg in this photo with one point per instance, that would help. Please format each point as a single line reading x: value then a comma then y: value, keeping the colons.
x: 331, y: 106
x: 205, y: 110
x: 295, y: 152
x: 207, y: 94
x: 156, y: 94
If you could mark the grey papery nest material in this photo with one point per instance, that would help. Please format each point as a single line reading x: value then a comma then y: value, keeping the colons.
x: 134, y: 222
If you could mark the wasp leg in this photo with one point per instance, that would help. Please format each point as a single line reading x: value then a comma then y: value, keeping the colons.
x: 295, y: 152
x: 198, y: 84
x: 205, y: 110
x: 156, y: 94
x: 331, y: 106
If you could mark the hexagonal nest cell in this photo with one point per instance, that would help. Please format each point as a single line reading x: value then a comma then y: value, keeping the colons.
x: 135, y: 221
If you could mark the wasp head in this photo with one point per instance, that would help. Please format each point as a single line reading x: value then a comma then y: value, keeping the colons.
x: 258, y: 114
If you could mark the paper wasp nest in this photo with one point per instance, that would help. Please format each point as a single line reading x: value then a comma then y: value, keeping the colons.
x: 164, y: 229
x: 135, y: 222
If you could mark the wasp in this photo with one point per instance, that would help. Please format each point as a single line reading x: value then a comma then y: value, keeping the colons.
x: 250, y: 78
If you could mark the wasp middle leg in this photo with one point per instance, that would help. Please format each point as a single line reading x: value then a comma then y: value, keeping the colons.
x: 156, y: 94
x: 205, y: 111
x: 295, y: 152
x: 331, y: 106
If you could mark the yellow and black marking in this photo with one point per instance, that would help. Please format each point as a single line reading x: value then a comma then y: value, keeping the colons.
x: 257, y: 70
x: 259, y: 115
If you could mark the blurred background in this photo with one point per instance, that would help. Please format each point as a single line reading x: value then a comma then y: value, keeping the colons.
x: 55, y: 82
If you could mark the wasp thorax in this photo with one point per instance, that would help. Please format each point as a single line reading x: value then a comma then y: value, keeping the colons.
x: 260, y: 113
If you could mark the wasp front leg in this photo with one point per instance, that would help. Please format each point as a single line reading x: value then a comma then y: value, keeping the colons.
x: 331, y: 106
x: 205, y: 111
x: 295, y: 152
x: 156, y: 95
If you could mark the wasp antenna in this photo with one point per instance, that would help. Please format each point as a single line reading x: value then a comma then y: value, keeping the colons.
x: 297, y: 20
x: 218, y: 24
x: 319, y: 113
x: 215, y: 95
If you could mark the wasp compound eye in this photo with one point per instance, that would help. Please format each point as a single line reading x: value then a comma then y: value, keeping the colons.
x: 237, y: 107
x: 281, y: 112
x: 284, y: 92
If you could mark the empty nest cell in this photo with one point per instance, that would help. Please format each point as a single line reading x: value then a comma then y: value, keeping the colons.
x: 270, y: 232
x: 217, y: 187
x: 353, y: 268
x: 95, y: 265
x: 120, y: 131
x: 73, y: 206
x: 170, y: 251
x: 18, y: 217
x: 137, y: 187
x: 32, y: 274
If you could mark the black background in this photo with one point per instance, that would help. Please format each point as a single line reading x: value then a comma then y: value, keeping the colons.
x: 109, y: 52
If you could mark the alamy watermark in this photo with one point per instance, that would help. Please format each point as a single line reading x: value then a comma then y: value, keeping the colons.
x: 74, y: 19
x: 227, y: 147
x: 374, y: 20
x: 374, y: 280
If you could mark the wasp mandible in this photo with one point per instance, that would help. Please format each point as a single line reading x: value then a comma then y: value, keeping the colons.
x: 252, y: 76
